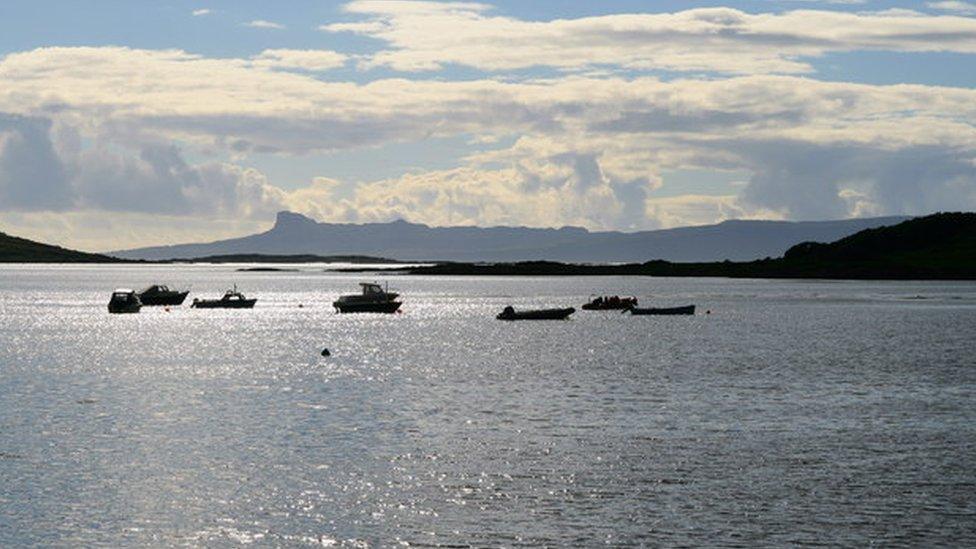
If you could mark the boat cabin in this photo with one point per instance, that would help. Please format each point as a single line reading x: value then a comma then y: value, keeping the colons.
x: 372, y: 289
x: 124, y: 301
x: 233, y: 294
x: 155, y: 289
x: 123, y: 294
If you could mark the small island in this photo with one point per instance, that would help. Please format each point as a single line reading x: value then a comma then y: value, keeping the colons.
x: 297, y: 258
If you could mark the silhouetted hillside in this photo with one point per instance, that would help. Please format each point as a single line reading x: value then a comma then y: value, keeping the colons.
x: 939, y: 246
x: 936, y: 246
x: 21, y: 250
x: 400, y: 240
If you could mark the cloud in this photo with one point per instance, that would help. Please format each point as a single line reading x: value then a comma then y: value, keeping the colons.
x: 102, y: 123
x: 39, y: 174
x: 263, y: 24
x: 202, y: 11
x: 239, y: 105
x: 159, y: 181
x: 96, y: 231
x: 832, y: 2
x: 306, y: 60
x: 31, y: 173
x: 570, y: 191
x: 426, y: 36
x: 963, y: 8
x: 806, y: 181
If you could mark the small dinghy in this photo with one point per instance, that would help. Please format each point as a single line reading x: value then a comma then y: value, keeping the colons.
x: 509, y: 313
x: 232, y: 300
x: 686, y: 310
x: 124, y: 301
x: 610, y: 303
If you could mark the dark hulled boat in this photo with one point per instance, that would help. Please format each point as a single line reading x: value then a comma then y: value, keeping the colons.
x: 685, y: 310
x: 373, y: 299
x: 157, y: 294
x: 509, y: 313
x: 610, y: 303
x: 232, y: 300
x: 124, y: 301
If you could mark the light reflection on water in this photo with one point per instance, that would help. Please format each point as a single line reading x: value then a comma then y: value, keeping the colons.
x: 798, y: 412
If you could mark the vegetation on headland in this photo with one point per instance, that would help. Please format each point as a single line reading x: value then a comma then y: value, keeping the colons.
x: 936, y: 247
x: 21, y: 250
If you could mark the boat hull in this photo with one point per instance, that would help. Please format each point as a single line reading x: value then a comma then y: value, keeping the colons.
x: 540, y: 314
x: 616, y: 307
x: 124, y: 309
x: 664, y: 311
x: 175, y: 298
x: 383, y: 307
x: 221, y: 304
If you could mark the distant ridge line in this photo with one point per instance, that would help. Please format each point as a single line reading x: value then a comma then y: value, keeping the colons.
x: 296, y: 234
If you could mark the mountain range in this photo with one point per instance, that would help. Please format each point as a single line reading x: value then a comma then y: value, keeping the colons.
x: 735, y: 240
x: 940, y: 246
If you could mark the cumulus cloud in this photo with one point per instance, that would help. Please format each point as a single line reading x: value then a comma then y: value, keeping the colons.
x: 425, y: 36
x: 955, y: 6
x: 37, y: 174
x: 264, y: 24
x: 306, y: 60
x: 31, y: 174
x: 805, y: 181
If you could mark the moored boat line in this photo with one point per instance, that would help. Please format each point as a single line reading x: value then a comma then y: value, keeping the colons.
x: 373, y: 298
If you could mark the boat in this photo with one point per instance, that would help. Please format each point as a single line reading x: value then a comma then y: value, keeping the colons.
x: 509, y: 313
x: 157, y: 294
x: 610, y: 303
x: 124, y: 301
x: 232, y: 300
x: 373, y: 299
x: 685, y: 310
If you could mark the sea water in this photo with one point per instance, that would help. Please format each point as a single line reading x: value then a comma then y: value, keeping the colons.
x: 838, y: 413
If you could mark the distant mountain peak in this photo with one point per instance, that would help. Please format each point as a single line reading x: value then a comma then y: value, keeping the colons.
x: 291, y: 219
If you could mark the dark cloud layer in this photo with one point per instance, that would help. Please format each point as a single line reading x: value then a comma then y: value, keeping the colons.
x: 31, y: 174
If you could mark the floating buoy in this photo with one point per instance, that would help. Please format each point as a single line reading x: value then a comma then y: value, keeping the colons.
x: 708, y: 312
x: 300, y: 305
x: 325, y: 352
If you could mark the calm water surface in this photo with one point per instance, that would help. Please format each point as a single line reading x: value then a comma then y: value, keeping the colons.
x: 835, y: 413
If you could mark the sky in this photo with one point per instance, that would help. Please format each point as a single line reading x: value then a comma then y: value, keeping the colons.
x: 126, y: 124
